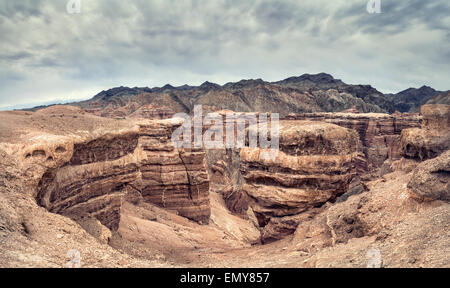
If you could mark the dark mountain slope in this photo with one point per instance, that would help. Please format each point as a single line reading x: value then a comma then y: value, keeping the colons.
x: 306, y: 93
x: 411, y: 99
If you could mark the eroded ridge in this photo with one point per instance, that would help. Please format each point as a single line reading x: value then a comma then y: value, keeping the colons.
x: 433, y: 138
x: 316, y: 163
x: 379, y: 133
x: 134, y: 166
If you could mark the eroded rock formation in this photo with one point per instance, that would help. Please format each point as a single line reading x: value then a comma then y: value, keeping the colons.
x: 174, y: 178
x: 152, y: 112
x: 132, y: 165
x: 434, y: 136
x: 379, y: 133
x: 315, y: 164
x: 103, y: 168
x: 431, y: 179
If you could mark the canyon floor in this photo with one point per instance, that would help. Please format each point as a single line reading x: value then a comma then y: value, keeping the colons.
x: 119, y: 205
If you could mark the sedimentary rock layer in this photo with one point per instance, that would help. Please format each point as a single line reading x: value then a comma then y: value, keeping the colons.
x: 96, y: 189
x: 223, y: 164
x: 379, y: 133
x: 136, y: 165
x: 152, y: 112
x: 174, y: 178
x: 316, y: 162
x: 434, y: 136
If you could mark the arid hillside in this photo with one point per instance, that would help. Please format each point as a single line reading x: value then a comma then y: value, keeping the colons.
x: 345, y: 190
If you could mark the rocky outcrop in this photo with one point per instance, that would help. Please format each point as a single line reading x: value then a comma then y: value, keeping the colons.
x: 153, y: 112
x: 387, y: 218
x: 434, y: 136
x: 95, y: 189
x: 225, y: 178
x: 279, y: 227
x: 315, y: 164
x: 141, y: 164
x: 436, y: 117
x: 431, y: 179
x: 223, y: 164
x: 379, y: 133
x: 291, y: 175
x: 175, y: 179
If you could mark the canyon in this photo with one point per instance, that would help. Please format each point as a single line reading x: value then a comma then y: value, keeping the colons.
x: 117, y: 190
x: 131, y: 165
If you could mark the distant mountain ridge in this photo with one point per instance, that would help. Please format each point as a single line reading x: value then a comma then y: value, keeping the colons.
x: 411, y: 99
x: 443, y: 98
x: 306, y: 93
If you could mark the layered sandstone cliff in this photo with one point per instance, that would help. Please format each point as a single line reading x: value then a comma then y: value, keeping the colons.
x: 315, y: 164
x: 434, y: 136
x: 135, y: 165
x: 223, y: 163
x: 173, y: 178
x: 379, y: 133
x: 90, y: 168
x: 152, y: 112
x: 62, y: 160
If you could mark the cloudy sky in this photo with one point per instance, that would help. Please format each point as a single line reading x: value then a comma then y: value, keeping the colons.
x: 47, y: 54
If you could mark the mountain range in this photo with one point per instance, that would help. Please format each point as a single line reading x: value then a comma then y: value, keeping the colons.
x: 306, y: 93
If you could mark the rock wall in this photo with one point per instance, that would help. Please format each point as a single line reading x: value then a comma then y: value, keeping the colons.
x: 431, y: 179
x: 153, y: 112
x: 379, y: 133
x: 140, y: 165
x: 311, y: 139
x: 434, y: 136
x: 175, y: 179
x: 315, y: 164
x: 132, y: 110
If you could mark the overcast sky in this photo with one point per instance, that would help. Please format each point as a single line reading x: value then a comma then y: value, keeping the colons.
x: 47, y: 54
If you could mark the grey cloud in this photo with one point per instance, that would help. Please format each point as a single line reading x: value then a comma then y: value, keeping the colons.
x: 15, y: 56
x: 398, y: 16
x: 24, y: 8
x: 150, y: 43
